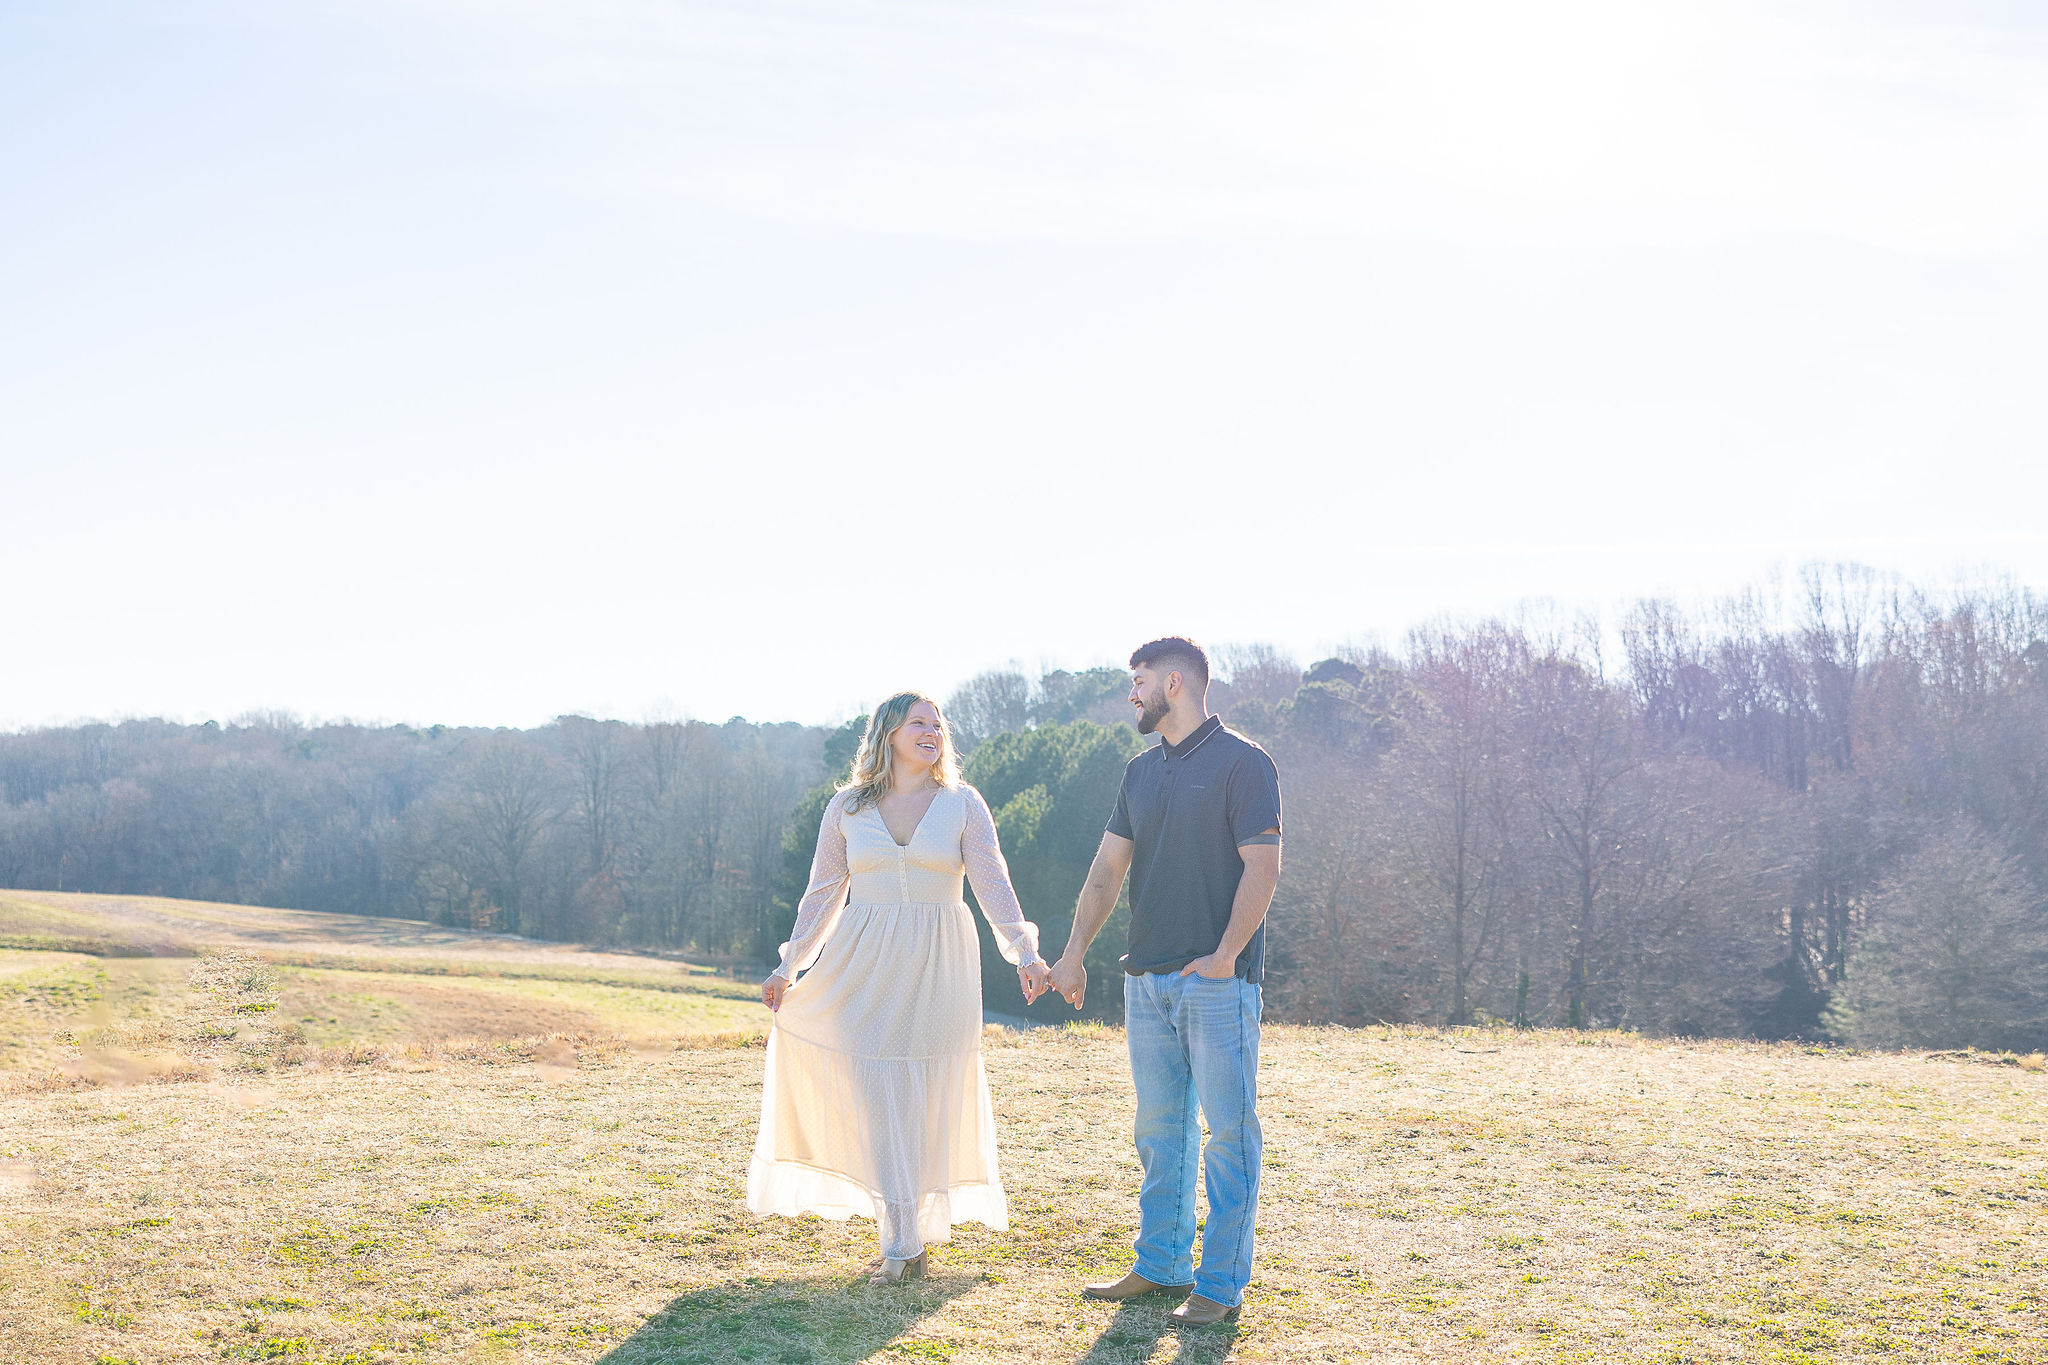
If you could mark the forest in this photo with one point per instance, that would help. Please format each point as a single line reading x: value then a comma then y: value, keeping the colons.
x: 1818, y: 809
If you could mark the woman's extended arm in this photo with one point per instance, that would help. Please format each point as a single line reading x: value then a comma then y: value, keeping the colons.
x: 819, y: 909
x: 1016, y: 937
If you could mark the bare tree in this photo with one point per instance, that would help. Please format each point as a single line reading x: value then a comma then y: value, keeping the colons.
x: 987, y: 705
x: 507, y: 804
x: 1676, y: 692
x: 703, y: 813
x: 1839, y: 602
x: 1579, y: 748
x: 1336, y: 882
x: 1454, y: 767
x: 597, y: 753
x: 761, y: 798
x: 1255, y: 672
x: 662, y: 746
x: 1694, y: 899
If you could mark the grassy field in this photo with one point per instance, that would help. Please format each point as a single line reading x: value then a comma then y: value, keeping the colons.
x: 206, y: 1180
x: 75, y: 967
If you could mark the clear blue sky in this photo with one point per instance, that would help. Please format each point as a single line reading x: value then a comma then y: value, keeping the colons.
x: 476, y: 362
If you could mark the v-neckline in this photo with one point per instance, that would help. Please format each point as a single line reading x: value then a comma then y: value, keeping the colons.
x: 914, y: 828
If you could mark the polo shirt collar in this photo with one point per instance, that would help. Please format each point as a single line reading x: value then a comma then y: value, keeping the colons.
x: 1194, y: 739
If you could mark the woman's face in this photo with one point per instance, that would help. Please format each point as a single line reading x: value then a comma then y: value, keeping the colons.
x: 915, y: 744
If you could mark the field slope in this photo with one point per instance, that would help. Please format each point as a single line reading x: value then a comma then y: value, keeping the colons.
x: 75, y: 965
x: 1441, y: 1196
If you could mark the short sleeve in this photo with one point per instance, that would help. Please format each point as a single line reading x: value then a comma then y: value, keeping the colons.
x: 1253, y: 801
x: 1120, y: 813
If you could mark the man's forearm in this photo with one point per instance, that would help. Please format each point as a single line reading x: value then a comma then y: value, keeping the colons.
x: 1091, y: 912
x: 1248, y: 909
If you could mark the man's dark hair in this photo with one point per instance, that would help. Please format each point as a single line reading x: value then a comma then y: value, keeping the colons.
x: 1176, y: 652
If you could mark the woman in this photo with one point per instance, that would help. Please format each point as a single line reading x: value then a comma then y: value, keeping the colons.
x: 875, y: 1101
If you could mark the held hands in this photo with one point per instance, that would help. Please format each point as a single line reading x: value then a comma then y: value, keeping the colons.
x: 1214, y: 967
x: 1036, y: 978
x: 772, y: 991
x: 1070, y: 979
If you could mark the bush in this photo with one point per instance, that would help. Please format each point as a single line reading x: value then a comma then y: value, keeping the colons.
x: 1953, y: 955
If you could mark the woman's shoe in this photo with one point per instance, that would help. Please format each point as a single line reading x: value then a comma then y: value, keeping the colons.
x: 891, y: 1271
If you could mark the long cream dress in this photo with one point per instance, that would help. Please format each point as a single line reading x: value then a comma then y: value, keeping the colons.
x: 875, y: 1101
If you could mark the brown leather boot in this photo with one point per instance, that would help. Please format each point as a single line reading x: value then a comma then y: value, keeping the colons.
x: 1201, y: 1312
x: 1130, y: 1287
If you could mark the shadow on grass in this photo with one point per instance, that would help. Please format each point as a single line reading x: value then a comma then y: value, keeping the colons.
x: 815, y: 1320
x: 1135, y: 1331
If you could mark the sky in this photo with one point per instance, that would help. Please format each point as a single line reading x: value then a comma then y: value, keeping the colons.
x: 475, y: 363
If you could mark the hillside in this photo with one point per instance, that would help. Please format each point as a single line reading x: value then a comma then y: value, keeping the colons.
x: 73, y: 967
x: 1456, y: 1195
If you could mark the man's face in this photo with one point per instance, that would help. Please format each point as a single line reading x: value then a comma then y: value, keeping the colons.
x: 1148, y: 696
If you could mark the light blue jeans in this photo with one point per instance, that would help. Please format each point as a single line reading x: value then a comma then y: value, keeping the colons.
x: 1196, y: 1041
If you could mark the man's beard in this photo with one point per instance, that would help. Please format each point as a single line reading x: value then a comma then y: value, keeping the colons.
x: 1151, y: 713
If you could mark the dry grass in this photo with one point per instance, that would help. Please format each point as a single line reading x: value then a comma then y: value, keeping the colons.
x: 125, y: 926
x: 1441, y: 1196
x: 77, y: 1023
x: 334, y: 1140
x: 108, y: 984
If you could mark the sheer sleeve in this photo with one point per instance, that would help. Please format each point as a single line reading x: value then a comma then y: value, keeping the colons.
x: 989, y: 874
x: 823, y: 898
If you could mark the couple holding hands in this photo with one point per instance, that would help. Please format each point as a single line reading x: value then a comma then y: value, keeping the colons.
x: 874, y: 1100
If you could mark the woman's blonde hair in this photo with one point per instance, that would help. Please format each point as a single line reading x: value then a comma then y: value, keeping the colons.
x: 874, y: 764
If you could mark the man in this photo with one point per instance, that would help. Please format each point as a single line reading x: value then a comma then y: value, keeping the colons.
x: 1197, y: 825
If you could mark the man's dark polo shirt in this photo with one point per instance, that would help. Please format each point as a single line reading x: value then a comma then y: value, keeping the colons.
x: 1186, y: 807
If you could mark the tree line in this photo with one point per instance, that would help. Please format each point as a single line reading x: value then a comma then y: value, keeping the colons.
x: 1814, y: 811
x: 666, y: 834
